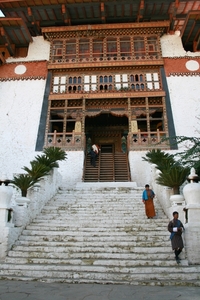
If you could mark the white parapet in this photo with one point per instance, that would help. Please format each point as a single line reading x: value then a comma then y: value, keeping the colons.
x: 191, y: 193
x: 24, y: 211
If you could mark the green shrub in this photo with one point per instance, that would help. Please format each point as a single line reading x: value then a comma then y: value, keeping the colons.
x: 23, y: 182
x: 37, y: 170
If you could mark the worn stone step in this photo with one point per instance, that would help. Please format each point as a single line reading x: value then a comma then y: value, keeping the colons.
x: 109, y: 208
x: 95, y: 255
x: 90, y: 232
x: 121, y: 219
x: 103, y: 239
x: 125, y: 281
x: 109, y: 274
x: 85, y: 243
x: 95, y: 262
x: 91, y: 249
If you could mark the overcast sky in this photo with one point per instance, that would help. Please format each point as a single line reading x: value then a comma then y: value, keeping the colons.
x: 1, y: 14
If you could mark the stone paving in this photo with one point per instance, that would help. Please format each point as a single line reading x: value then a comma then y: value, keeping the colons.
x: 31, y: 290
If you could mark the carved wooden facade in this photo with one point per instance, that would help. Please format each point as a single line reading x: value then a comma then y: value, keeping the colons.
x: 106, y: 87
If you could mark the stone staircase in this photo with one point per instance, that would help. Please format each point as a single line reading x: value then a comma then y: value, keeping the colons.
x: 98, y: 233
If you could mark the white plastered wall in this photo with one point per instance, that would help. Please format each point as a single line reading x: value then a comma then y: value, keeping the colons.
x: 20, y: 108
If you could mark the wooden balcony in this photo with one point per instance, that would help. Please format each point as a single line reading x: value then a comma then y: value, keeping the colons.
x: 74, y: 141
x: 147, y: 140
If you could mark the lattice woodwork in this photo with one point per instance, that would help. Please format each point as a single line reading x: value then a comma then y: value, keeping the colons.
x: 103, y: 33
x: 155, y: 101
x: 106, y: 103
x: 137, y: 101
x: 75, y: 103
x: 57, y: 103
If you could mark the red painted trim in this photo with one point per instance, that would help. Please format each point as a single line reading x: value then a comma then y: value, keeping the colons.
x: 176, y: 66
x: 34, y: 70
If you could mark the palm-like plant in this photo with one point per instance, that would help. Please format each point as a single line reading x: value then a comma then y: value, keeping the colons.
x: 55, y: 153
x: 48, y: 162
x: 173, y: 177
x: 37, y: 170
x: 159, y: 157
x: 172, y: 173
x: 40, y: 167
x: 23, y: 182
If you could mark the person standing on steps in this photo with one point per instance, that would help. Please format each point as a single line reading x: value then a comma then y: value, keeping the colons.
x: 93, y: 157
x: 176, y: 228
x: 147, y: 199
x: 96, y: 148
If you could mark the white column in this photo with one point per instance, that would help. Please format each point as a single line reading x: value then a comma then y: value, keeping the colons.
x: 191, y: 193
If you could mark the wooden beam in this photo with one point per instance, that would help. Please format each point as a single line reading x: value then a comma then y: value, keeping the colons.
x: 187, y: 19
x: 36, y: 24
x: 2, y: 59
x: 25, y: 29
x: 65, y: 14
x: 8, y: 44
x: 140, y: 11
x: 196, y: 43
x: 172, y: 16
x: 102, y: 8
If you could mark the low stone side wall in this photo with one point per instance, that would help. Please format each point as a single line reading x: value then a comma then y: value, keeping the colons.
x: 23, y: 211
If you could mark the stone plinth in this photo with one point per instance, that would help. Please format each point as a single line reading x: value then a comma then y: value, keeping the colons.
x: 191, y: 193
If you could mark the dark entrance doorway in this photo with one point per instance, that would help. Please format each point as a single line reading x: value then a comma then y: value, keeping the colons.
x: 107, y: 130
x: 106, y: 148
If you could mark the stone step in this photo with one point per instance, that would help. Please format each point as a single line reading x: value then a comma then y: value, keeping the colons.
x: 90, y: 209
x: 145, y: 224
x: 95, y: 262
x: 97, y: 274
x: 93, y: 238
x: 103, y: 280
x: 96, y: 222
x: 64, y: 229
x: 91, y: 194
x: 92, y: 205
x: 69, y: 213
x: 85, y: 243
x: 98, y: 212
x: 167, y: 255
x: 92, y: 249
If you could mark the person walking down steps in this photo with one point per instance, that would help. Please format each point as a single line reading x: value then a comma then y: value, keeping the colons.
x: 176, y: 228
x: 93, y: 157
x: 147, y: 199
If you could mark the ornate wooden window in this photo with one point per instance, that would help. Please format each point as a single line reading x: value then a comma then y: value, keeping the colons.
x: 125, y: 47
x: 152, y: 47
x: 139, y: 47
x: 113, y: 48
x: 143, y: 81
x: 84, y: 49
x: 71, y: 50
x: 57, y: 51
x: 97, y: 49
